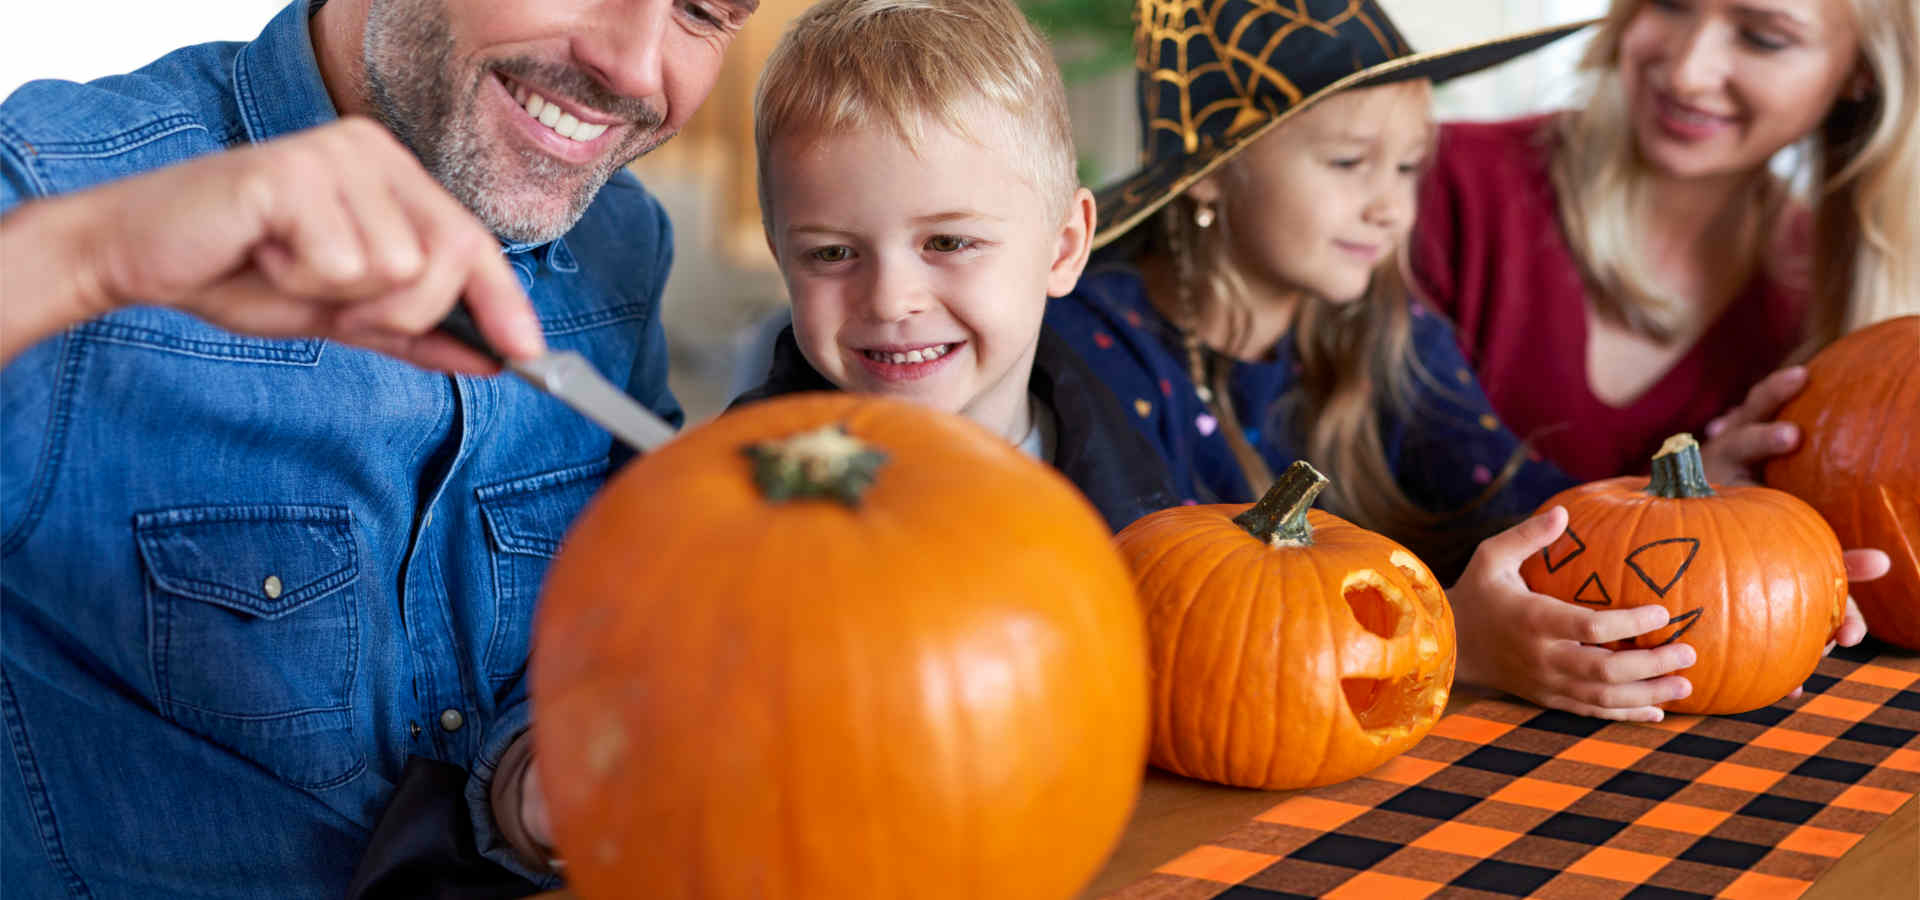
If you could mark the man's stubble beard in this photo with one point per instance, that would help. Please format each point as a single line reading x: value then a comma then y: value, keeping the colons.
x: 415, y: 92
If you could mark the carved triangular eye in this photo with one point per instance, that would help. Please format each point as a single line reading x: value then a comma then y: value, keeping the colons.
x: 1661, y: 563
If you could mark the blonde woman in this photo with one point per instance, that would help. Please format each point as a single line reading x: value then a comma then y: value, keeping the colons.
x: 1634, y: 267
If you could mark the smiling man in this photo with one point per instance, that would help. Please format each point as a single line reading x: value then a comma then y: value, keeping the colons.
x: 251, y: 566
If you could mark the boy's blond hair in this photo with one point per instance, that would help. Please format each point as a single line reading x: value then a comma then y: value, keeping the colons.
x: 850, y: 65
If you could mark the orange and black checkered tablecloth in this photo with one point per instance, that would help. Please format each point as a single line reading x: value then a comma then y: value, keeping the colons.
x: 1506, y: 800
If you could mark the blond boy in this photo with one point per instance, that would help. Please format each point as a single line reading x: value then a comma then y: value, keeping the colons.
x: 918, y: 191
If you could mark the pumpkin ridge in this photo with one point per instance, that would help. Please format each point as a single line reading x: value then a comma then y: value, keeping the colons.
x: 1250, y: 610
x: 1725, y: 556
x: 1218, y: 579
x: 1330, y: 738
x: 1183, y: 651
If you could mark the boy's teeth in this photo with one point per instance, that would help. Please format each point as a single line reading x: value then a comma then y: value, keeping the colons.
x: 561, y: 122
x: 928, y: 354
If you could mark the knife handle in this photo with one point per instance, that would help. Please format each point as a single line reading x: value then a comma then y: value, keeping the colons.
x: 460, y: 326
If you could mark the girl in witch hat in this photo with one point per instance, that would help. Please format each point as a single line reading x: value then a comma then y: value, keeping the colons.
x: 1249, y: 306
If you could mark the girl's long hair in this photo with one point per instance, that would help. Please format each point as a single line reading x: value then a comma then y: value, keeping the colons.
x: 1356, y: 363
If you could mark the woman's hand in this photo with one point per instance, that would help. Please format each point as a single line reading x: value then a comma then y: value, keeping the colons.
x: 1745, y: 437
x: 1541, y: 648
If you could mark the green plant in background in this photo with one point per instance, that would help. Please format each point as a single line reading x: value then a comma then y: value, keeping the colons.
x: 1090, y: 38
x: 1093, y: 37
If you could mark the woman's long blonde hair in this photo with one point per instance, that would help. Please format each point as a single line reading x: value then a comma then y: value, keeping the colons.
x: 1865, y: 167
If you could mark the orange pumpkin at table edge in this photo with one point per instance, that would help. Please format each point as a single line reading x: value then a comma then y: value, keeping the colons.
x: 922, y: 674
x: 1751, y: 577
x: 1288, y: 648
x: 1858, y: 462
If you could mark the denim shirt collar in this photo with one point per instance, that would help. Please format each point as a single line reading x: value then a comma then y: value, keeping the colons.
x: 276, y: 79
x: 278, y: 88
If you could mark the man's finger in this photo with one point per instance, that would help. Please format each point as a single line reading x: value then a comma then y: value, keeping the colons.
x: 487, y: 284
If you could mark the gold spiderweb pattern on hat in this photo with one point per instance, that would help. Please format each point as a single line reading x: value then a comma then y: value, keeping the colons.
x: 1164, y: 25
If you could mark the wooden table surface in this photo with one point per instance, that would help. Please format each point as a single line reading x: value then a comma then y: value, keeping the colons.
x: 1176, y: 814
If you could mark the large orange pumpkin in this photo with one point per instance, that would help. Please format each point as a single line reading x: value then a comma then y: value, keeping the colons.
x: 1751, y: 577
x: 838, y: 647
x: 1858, y: 462
x: 1288, y: 648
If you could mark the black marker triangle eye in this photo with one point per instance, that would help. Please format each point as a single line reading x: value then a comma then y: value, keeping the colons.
x: 1566, y: 547
x: 1661, y: 563
x: 1592, y: 592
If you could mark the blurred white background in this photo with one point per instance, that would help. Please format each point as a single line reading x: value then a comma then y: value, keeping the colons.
x: 722, y: 281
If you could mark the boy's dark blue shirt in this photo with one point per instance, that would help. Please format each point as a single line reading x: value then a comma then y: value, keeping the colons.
x: 1095, y: 448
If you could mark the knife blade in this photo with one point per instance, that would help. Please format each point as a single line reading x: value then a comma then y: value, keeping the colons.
x: 570, y: 377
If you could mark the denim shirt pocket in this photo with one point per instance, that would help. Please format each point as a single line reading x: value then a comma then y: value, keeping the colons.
x: 171, y: 331
x: 255, y: 638
x: 526, y: 519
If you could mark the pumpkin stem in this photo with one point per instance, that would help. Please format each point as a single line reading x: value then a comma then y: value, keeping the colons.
x: 826, y: 462
x: 1280, y: 518
x: 1678, y: 471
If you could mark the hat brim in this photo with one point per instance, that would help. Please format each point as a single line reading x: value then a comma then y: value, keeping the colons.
x: 1128, y: 201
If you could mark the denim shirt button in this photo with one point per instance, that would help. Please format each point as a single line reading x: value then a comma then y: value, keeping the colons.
x: 272, y: 587
x: 451, y: 720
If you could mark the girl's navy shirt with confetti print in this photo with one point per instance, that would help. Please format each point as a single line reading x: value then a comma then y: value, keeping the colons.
x: 1445, y: 450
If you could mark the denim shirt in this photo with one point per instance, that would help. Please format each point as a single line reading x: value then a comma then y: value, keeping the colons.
x: 245, y: 579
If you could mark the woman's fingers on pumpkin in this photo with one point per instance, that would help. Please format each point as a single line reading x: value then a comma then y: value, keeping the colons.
x: 1649, y: 692
x: 1766, y: 398
x: 1730, y: 456
x: 1866, y: 565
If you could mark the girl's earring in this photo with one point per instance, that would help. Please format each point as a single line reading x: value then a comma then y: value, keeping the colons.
x: 1203, y: 216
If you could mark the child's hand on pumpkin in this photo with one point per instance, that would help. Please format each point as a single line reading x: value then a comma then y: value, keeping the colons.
x: 1743, y: 438
x: 1541, y: 648
x: 1862, y: 565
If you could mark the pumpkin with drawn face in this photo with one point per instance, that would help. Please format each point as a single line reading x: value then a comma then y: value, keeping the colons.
x: 1287, y: 647
x: 1751, y: 577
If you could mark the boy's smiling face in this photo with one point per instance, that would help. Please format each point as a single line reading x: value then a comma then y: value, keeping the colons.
x: 921, y: 275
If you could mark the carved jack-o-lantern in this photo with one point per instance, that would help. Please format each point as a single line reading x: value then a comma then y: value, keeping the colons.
x: 1751, y: 577
x: 1288, y: 647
